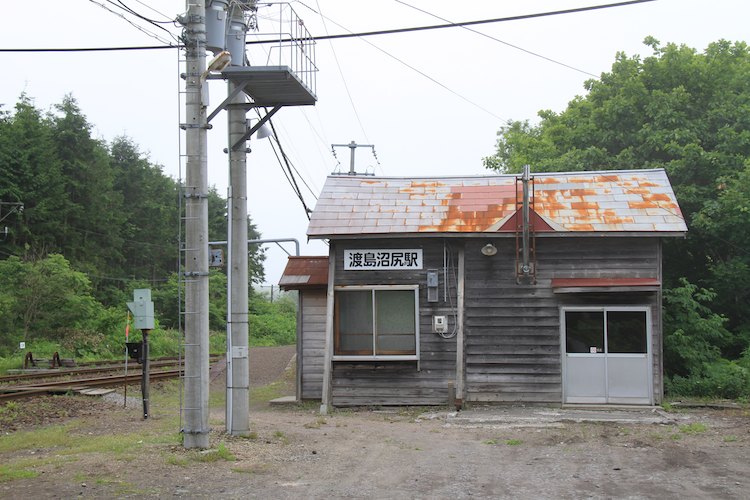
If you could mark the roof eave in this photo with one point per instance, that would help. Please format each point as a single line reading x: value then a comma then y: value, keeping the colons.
x: 555, y: 234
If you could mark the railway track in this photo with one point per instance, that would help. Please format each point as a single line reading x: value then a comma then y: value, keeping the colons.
x: 25, y: 385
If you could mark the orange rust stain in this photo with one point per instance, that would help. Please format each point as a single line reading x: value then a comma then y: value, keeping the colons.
x: 546, y: 180
x: 657, y: 197
x: 370, y: 182
x: 583, y: 192
x: 648, y: 184
x: 642, y: 204
x: 584, y: 205
x: 552, y: 205
x: 579, y: 227
x: 457, y: 220
x: 432, y: 184
x: 638, y: 190
x: 619, y: 220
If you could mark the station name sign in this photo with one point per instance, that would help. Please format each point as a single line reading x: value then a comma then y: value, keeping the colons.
x: 381, y: 259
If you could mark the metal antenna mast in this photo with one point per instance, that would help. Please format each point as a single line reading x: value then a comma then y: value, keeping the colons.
x: 353, y: 147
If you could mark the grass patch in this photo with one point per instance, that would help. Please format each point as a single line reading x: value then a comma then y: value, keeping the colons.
x: 513, y: 442
x: 489, y: 441
x: 252, y: 435
x: 730, y: 439
x: 281, y: 437
x: 11, y: 472
x: 316, y: 425
x: 65, y: 440
x: 177, y: 460
x: 220, y: 453
x: 252, y: 469
x: 694, y: 428
x: 267, y: 392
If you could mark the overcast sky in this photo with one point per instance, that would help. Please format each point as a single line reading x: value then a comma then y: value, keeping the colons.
x: 430, y: 102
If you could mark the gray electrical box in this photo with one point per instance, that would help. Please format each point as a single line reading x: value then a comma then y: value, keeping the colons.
x: 432, y: 285
x: 439, y: 324
x: 142, y: 308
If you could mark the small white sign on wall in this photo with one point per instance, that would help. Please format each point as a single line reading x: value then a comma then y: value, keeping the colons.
x: 382, y: 259
x: 22, y: 345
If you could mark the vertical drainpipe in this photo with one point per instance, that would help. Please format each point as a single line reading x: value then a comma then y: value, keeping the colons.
x: 525, y: 266
x: 460, y: 329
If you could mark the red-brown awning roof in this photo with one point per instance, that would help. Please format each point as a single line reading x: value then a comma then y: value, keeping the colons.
x: 305, y: 272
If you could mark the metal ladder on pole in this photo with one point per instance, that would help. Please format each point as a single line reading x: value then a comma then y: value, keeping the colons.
x: 182, y: 194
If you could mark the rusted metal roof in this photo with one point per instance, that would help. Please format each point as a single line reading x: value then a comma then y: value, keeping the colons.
x: 305, y: 272
x: 635, y: 201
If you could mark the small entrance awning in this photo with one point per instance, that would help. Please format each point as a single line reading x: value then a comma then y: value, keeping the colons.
x: 303, y: 273
x: 597, y: 285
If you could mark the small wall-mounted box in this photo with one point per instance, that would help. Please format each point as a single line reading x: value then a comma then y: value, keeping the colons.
x: 440, y: 324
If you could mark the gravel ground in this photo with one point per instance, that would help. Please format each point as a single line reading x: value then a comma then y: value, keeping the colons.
x: 395, y: 453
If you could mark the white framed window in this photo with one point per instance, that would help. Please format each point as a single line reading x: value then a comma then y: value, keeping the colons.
x: 608, y: 330
x: 377, y: 322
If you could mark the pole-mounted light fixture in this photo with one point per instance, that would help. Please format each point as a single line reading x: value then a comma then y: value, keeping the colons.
x: 489, y: 250
x: 217, y: 64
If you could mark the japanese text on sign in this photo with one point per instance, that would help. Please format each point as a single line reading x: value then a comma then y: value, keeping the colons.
x: 373, y: 260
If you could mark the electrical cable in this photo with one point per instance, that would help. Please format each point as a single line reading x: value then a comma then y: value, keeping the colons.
x: 465, y: 23
x: 500, y: 41
x: 341, y: 73
x: 433, y: 80
x: 153, y: 21
x: 350, y: 34
x: 136, y: 26
x: 290, y: 177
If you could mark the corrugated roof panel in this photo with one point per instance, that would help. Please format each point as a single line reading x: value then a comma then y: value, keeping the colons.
x: 611, y: 201
x: 305, y: 272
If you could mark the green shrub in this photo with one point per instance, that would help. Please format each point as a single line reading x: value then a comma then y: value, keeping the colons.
x: 721, y: 379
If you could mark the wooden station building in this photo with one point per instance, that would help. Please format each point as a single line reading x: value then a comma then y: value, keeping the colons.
x: 519, y: 289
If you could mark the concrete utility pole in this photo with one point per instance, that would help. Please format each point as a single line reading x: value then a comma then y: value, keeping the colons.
x: 238, y: 363
x: 196, y: 429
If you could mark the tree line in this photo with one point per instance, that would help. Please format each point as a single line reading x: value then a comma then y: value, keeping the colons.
x: 87, y: 222
x: 687, y: 112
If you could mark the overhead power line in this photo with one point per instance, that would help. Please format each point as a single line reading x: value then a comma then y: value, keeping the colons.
x: 499, y: 41
x: 357, y: 35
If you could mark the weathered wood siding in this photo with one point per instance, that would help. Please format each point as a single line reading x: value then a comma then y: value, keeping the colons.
x: 512, y: 332
x: 313, y: 306
x: 400, y: 382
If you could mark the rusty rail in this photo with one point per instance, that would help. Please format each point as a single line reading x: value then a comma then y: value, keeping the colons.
x: 63, y: 386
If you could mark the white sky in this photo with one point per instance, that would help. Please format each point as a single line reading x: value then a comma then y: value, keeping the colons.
x: 417, y: 126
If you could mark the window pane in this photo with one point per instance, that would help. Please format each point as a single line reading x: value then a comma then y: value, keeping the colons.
x: 584, y: 330
x: 354, y: 322
x: 626, y: 331
x: 396, y: 323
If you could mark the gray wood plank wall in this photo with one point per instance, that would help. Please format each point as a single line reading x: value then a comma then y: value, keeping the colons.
x: 313, y: 342
x: 513, y: 331
x: 399, y: 382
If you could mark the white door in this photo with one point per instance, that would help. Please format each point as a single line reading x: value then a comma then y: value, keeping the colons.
x: 606, y: 355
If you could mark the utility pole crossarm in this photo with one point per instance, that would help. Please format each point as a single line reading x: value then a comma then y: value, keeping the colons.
x: 353, y: 147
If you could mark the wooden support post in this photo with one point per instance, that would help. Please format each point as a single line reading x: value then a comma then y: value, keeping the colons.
x: 327, y: 397
x: 460, y: 330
